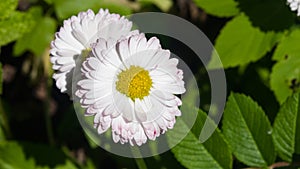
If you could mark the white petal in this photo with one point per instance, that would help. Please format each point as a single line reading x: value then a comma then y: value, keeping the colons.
x: 140, y: 136
x: 124, y: 105
x: 139, y: 110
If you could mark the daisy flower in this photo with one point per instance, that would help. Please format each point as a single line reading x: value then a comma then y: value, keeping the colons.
x: 294, y: 5
x: 74, y: 39
x: 130, y: 87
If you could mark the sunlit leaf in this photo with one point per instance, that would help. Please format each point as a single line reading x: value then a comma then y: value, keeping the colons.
x: 223, y: 8
x: 66, y: 8
x: 287, y: 128
x: 67, y: 165
x: 240, y: 43
x: 285, y: 78
x: 7, y: 7
x: 164, y: 5
x: 248, y: 131
x: 39, y: 38
x: 15, y: 26
x: 121, y: 9
x: 288, y: 46
x: 13, y: 157
x: 191, y: 153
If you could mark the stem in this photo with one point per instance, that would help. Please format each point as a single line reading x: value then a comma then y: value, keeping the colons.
x: 279, y: 164
x: 139, y: 161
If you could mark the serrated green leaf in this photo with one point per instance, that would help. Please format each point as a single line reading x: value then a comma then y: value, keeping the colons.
x: 224, y: 8
x: 193, y: 154
x: 38, y: 39
x: 285, y: 78
x: 12, y: 157
x: 288, y: 46
x: 7, y: 7
x: 248, y: 131
x: 240, y: 43
x: 15, y: 26
x: 286, y: 132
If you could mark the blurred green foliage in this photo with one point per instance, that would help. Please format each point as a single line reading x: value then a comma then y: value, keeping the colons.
x: 37, y: 40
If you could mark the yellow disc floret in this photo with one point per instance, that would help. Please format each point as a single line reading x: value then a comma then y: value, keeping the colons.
x: 85, y: 53
x: 134, y: 82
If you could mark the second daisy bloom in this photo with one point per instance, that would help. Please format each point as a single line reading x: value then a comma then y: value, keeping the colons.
x: 130, y: 87
x: 75, y: 39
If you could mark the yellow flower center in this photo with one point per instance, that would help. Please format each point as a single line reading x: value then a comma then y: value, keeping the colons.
x: 85, y: 53
x: 134, y: 82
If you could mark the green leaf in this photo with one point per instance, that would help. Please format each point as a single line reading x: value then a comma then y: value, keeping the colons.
x: 15, y: 26
x: 191, y: 153
x: 268, y: 14
x: 164, y: 5
x: 1, y: 78
x: 120, y: 9
x: 39, y: 38
x: 2, y: 135
x: 224, y: 8
x: 12, y: 157
x: 248, y: 131
x: 286, y: 133
x: 285, y: 78
x: 32, y: 156
x: 67, y: 165
x: 287, y: 46
x: 40, y: 153
x: 50, y: 2
x: 66, y: 8
x: 7, y: 7
x: 240, y: 43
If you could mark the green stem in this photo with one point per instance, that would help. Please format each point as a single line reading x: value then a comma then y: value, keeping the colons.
x: 139, y: 161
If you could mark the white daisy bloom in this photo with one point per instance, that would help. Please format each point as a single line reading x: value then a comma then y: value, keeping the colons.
x: 75, y: 37
x: 130, y: 87
x: 294, y: 5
